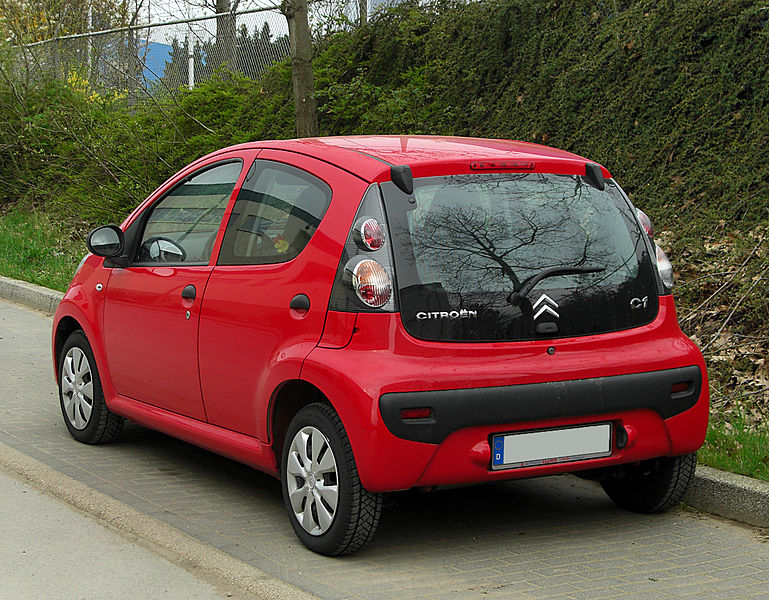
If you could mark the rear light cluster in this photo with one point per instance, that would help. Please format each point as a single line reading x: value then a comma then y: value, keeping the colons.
x: 369, y: 234
x: 661, y: 259
x: 365, y: 279
x: 369, y: 281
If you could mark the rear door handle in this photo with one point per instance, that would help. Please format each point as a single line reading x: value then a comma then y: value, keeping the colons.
x: 188, y: 293
x: 300, y: 302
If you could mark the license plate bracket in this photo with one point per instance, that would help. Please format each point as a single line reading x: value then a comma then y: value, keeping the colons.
x: 520, y: 449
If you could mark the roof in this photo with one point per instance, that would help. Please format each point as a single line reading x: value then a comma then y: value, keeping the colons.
x: 371, y: 156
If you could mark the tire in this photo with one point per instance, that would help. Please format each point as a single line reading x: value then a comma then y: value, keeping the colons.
x: 81, y: 397
x: 653, y: 486
x: 329, y: 509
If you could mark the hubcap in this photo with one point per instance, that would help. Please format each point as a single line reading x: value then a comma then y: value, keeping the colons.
x: 77, y: 388
x: 312, y: 480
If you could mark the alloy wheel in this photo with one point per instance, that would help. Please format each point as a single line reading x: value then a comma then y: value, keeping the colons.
x: 77, y: 388
x: 312, y: 480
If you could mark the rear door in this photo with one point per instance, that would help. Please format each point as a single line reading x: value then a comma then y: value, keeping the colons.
x: 266, y: 300
x: 152, y: 307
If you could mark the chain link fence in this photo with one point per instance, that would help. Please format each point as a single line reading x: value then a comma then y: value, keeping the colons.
x: 162, y: 57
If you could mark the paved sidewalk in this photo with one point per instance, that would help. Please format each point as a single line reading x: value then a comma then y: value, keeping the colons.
x: 556, y: 537
x: 50, y: 550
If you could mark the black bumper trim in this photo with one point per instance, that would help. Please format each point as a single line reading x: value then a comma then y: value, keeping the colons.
x: 455, y: 409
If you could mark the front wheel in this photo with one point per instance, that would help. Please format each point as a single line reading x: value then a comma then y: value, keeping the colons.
x: 329, y: 509
x: 654, y: 485
x: 80, y: 394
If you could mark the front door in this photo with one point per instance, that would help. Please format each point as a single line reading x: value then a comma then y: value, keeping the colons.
x: 152, y: 307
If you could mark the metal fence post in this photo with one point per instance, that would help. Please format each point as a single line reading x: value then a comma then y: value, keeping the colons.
x: 190, y: 58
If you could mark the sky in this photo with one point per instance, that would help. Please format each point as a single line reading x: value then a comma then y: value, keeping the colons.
x: 168, y: 10
x: 160, y: 11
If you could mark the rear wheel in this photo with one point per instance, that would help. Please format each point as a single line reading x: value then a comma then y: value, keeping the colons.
x: 654, y: 485
x: 80, y: 394
x: 329, y: 509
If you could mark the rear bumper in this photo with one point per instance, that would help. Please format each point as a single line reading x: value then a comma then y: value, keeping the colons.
x: 456, y: 409
x: 479, y: 390
x: 465, y: 455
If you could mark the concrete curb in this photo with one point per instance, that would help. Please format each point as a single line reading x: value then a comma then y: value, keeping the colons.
x: 31, y: 295
x: 724, y: 494
x: 729, y: 495
x: 192, y: 554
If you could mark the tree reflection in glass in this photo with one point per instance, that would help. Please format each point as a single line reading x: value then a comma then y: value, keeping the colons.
x: 476, y: 238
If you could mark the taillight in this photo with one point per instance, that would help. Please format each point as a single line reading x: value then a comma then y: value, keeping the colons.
x: 365, y: 278
x: 370, y: 281
x: 369, y: 234
x: 646, y: 222
x: 664, y: 267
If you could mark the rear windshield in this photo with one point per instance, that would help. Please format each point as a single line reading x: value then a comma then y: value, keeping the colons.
x: 464, y: 244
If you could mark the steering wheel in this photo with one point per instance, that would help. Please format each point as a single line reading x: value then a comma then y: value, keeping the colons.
x: 161, y: 249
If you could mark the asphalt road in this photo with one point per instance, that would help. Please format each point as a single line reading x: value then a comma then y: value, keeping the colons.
x: 556, y: 537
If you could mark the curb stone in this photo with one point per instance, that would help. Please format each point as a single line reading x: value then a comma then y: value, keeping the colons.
x: 730, y: 495
x: 33, y: 296
x: 727, y: 495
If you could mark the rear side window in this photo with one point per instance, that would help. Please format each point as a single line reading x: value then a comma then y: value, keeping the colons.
x: 277, y: 211
x: 463, y: 244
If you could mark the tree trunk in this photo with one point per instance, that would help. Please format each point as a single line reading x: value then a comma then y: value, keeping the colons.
x: 305, y: 109
x: 362, y: 12
x: 225, y: 33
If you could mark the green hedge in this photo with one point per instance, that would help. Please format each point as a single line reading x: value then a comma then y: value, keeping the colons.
x: 670, y: 96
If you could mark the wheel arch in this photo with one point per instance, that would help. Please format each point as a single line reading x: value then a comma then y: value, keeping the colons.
x: 288, y: 400
x: 64, y: 328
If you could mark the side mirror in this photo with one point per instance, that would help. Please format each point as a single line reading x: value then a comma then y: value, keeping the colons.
x: 106, y: 241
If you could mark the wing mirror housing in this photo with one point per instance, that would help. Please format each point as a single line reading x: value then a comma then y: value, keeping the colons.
x: 107, y: 241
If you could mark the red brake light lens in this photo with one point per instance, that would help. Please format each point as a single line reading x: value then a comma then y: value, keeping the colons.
x: 370, y: 234
x: 513, y: 165
x: 371, y: 283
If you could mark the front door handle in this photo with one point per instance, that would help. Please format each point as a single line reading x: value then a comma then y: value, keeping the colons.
x: 188, y: 293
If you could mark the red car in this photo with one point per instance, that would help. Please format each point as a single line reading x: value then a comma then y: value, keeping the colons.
x: 361, y: 315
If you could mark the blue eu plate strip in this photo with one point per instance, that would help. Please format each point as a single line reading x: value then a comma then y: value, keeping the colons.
x: 497, y: 458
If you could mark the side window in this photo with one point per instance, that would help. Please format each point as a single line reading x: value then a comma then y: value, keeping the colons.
x: 183, y: 225
x: 278, y: 209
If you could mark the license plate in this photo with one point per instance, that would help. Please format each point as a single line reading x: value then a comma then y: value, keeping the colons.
x: 550, y: 446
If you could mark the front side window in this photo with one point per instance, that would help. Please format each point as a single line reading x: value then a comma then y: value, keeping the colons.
x: 277, y: 211
x: 182, y: 227
x: 465, y: 244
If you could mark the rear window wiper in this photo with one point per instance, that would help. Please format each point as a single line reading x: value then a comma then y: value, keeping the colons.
x: 516, y: 297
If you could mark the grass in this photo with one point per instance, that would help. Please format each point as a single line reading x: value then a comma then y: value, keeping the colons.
x: 35, y: 248
x: 732, y: 444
